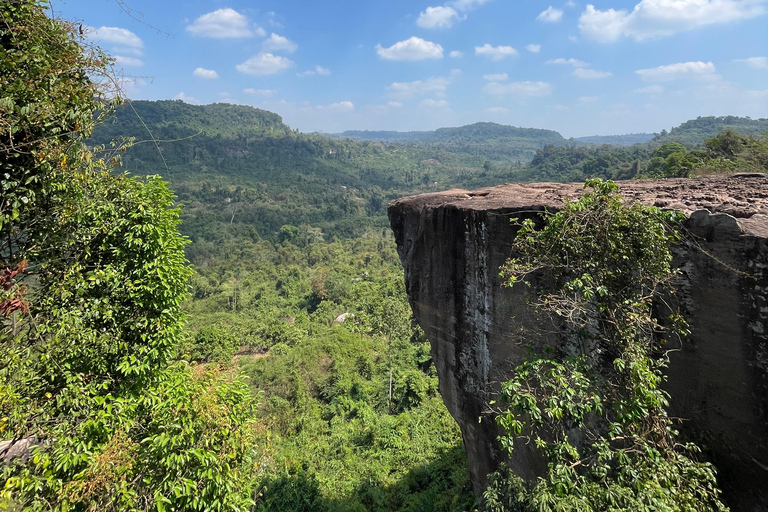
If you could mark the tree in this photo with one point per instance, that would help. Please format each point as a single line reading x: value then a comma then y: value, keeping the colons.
x: 98, y: 412
x: 594, y: 407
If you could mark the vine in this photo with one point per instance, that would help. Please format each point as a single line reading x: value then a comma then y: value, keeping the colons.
x: 594, y: 408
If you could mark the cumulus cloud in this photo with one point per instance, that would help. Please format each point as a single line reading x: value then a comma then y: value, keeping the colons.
x: 576, y: 63
x: 407, y: 90
x: 581, y: 68
x: 495, y: 52
x: 455, y: 54
x: 467, y: 5
x: 114, y: 35
x: 411, y: 49
x: 186, y: 98
x: 263, y: 64
x: 755, y: 62
x: 498, y: 77
x: 590, y: 74
x: 533, y: 48
x: 431, y: 103
x: 550, y: 15
x: 126, y: 43
x: 653, y: 19
x: 265, y: 93
x: 221, y: 24
x: 122, y: 60
x: 319, y: 70
x: 696, y: 69
x: 441, y: 16
x: 205, y: 73
x: 276, y: 43
x: 519, y: 89
x: 395, y: 104
x: 435, y: 86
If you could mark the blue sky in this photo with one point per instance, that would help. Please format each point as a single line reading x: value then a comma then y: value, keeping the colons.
x: 609, y: 67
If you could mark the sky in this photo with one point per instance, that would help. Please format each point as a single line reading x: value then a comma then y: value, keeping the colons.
x: 603, y: 68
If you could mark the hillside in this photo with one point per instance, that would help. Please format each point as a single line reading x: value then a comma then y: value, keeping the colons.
x: 239, y: 168
x: 694, y: 132
x: 490, y: 141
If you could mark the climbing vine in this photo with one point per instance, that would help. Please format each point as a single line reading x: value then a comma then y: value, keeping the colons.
x: 594, y: 407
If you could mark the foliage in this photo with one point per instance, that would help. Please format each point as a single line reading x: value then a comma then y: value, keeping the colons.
x: 594, y: 407
x: 335, y: 442
x: 694, y: 132
x: 93, y: 279
x: 728, y: 152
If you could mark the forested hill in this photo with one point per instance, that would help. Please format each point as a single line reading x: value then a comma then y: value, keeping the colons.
x: 693, y: 133
x: 491, y: 141
x: 174, y: 119
x: 240, y: 168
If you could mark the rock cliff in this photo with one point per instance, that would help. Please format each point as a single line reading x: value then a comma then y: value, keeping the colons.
x: 452, y: 244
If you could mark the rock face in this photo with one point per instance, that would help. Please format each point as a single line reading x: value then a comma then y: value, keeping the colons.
x: 453, y: 243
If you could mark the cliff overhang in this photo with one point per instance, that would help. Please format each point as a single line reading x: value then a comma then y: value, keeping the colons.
x: 453, y: 243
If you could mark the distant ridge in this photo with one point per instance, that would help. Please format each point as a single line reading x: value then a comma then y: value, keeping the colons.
x: 629, y: 139
x: 694, y: 132
x: 477, y: 131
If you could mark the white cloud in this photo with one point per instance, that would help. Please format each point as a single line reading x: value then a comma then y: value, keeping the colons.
x: 266, y: 93
x: 653, y: 19
x: 413, y: 48
x: 114, y: 35
x: 186, y: 99
x: 498, y: 77
x: 755, y: 62
x: 680, y: 70
x: 435, y: 86
x: 264, y: 64
x: 205, y: 73
x: 588, y: 99
x: 533, y: 48
x: 438, y: 17
x: 651, y: 89
x: 395, y: 104
x: 467, y: 5
x: 342, y: 106
x: 550, y: 15
x: 430, y: 103
x: 576, y: 63
x: 221, y: 24
x: 276, y: 43
x: 455, y: 54
x: 122, y: 60
x: 497, y: 110
x: 519, y: 89
x: 405, y: 90
x: 319, y: 70
x: 495, y: 52
x: 590, y: 74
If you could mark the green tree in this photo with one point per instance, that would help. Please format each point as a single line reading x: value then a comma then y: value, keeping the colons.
x: 97, y: 411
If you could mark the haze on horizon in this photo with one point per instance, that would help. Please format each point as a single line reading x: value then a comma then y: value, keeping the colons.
x: 611, y: 67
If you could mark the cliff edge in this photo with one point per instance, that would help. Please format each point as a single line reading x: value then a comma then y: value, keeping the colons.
x: 453, y: 243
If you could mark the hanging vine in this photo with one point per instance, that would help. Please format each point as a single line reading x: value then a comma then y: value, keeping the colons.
x: 594, y: 408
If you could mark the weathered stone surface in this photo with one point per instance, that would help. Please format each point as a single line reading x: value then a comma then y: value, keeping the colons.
x: 453, y: 243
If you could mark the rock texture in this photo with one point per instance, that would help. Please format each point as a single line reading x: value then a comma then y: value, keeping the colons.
x: 453, y: 243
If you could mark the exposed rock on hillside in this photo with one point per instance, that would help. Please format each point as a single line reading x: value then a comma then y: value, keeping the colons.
x: 453, y: 243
